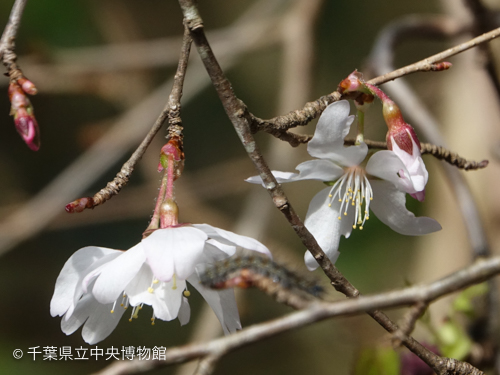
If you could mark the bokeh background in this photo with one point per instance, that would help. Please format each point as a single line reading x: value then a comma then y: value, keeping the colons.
x: 103, y: 69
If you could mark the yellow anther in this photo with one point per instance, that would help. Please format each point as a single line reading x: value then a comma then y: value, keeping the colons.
x: 329, y: 195
x: 354, y: 226
x: 187, y: 293
x: 130, y: 320
x: 156, y: 281
x: 340, y: 200
x: 340, y: 217
x: 371, y: 198
x: 150, y: 290
x: 112, y: 311
x: 121, y: 304
x: 345, y: 213
x: 329, y: 205
x: 360, y: 228
x: 153, y: 323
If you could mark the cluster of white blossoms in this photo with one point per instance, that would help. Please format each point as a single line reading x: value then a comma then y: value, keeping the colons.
x: 97, y: 284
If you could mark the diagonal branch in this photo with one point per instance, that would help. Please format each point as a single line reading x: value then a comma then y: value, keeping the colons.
x: 171, y: 110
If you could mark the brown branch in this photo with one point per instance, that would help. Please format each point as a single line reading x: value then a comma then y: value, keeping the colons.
x: 242, y: 120
x: 452, y: 158
x: 407, y: 324
x: 420, y: 294
x: 10, y: 31
x: 438, y: 152
x: 171, y: 110
x: 313, y: 109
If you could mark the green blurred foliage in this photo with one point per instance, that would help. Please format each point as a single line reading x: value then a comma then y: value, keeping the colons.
x: 378, y: 361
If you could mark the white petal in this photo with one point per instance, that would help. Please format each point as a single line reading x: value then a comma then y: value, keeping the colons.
x: 165, y: 298
x: 116, y: 275
x: 222, y: 303
x: 168, y: 299
x: 230, y: 238
x: 71, y: 275
x: 324, y: 224
x: 323, y: 170
x: 174, y: 250
x: 333, y: 126
x: 98, y: 319
x: 328, y: 140
x: 387, y: 165
x: 281, y: 177
x: 184, y: 312
x: 215, y: 251
x: 101, y: 323
x: 389, y: 204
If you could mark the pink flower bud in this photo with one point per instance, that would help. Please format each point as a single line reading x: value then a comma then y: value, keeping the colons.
x: 79, y: 205
x: 27, y: 86
x: 353, y: 82
x: 403, y: 141
x: 172, y: 149
x: 24, y: 118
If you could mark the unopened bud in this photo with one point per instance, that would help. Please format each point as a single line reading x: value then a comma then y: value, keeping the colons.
x: 445, y: 65
x: 27, y: 86
x: 172, y: 150
x: 403, y: 141
x: 353, y: 82
x: 79, y: 205
x: 24, y: 118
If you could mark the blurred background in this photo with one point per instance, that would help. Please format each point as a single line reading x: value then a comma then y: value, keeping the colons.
x: 103, y: 69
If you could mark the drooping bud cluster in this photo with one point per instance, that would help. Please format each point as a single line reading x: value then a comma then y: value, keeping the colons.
x: 22, y: 110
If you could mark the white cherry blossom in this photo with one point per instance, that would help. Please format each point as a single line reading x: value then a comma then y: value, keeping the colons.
x: 97, y: 284
x: 357, y: 185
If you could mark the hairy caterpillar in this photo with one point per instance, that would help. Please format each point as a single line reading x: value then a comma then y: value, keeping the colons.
x: 255, y: 271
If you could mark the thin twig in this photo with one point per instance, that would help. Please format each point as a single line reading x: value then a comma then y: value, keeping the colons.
x: 312, y: 110
x: 479, y: 271
x: 241, y: 120
x: 407, y: 324
x: 171, y: 110
x: 10, y: 31
x: 438, y: 152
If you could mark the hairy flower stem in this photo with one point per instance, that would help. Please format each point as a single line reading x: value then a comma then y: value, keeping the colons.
x: 360, y: 137
x: 155, y: 221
